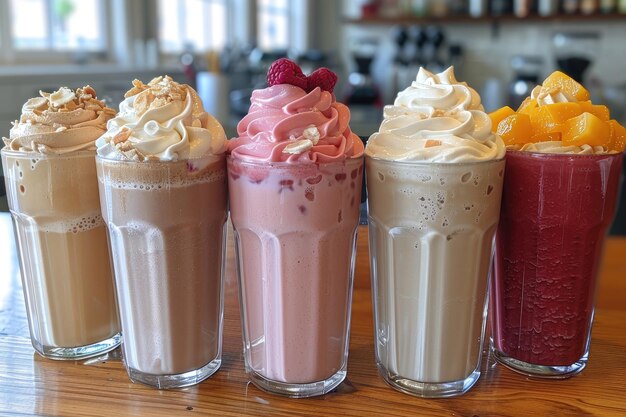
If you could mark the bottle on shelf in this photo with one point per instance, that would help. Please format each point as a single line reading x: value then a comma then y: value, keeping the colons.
x: 588, y: 6
x: 547, y: 7
x: 607, y: 6
x: 521, y: 8
x: 439, y: 8
x: 420, y: 8
x: 478, y: 8
x: 570, y: 6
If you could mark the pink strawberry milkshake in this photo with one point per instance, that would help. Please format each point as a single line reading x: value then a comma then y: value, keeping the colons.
x: 295, y: 179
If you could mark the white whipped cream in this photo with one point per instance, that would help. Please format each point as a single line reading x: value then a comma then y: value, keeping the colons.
x: 177, y: 130
x: 436, y: 119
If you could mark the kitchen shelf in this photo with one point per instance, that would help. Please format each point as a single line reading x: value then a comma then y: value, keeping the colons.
x: 414, y: 20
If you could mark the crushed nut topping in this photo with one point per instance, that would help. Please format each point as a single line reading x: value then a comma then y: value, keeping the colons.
x: 157, y: 93
x: 122, y: 135
x: 66, y: 100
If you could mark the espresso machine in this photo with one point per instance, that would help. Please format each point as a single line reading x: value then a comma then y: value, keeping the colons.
x: 575, y: 52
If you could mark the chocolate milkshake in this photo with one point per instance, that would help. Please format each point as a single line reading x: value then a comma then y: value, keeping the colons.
x: 295, y: 180
x: 161, y: 168
x: 434, y: 182
x: 50, y: 172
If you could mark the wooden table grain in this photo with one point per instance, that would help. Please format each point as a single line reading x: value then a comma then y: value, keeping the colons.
x: 32, y: 385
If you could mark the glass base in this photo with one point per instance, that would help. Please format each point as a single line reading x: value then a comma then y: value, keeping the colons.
x: 297, y: 390
x: 185, y: 379
x: 429, y: 389
x: 79, y: 352
x: 540, y: 371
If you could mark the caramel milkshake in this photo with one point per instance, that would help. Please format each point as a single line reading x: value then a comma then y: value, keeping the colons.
x: 161, y: 167
x: 49, y: 165
x: 434, y: 182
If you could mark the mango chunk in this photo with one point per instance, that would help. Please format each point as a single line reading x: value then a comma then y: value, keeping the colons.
x: 618, y: 136
x: 527, y: 105
x: 602, y: 112
x: 499, y: 115
x: 586, y: 129
x: 551, y: 118
x: 542, y: 120
x: 560, y: 81
x: 515, y: 129
x: 562, y: 112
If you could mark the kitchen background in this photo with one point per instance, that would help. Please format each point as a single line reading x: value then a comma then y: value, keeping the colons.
x: 223, y: 47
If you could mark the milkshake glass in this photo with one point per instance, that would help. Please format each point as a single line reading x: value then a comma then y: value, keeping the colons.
x: 50, y: 173
x: 162, y: 176
x: 295, y: 175
x: 558, y: 202
x: 434, y: 182
x: 556, y: 211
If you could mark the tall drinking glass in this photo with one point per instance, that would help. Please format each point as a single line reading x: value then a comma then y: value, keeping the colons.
x: 166, y: 224
x: 556, y: 210
x: 295, y: 232
x: 431, y: 229
x: 63, y: 253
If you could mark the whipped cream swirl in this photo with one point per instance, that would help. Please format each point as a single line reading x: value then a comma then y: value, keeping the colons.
x: 287, y: 124
x: 164, y: 121
x: 436, y: 119
x: 59, y: 123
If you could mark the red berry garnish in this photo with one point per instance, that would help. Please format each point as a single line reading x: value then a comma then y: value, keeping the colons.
x: 322, y: 78
x: 285, y: 71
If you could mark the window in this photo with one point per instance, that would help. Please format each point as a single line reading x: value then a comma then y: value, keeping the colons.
x: 273, y: 24
x: 57, y: 25
x: 198, y: 25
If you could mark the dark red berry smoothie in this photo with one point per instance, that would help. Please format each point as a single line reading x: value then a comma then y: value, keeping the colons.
x: 556, y: 210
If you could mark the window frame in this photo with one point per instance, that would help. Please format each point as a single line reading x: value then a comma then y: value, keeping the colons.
x: 12, y: 55
x: 120, y: 36
x: 291, y: 7
x: 229, y: 36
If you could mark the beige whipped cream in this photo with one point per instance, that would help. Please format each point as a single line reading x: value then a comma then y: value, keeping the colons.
x: 436, y: 119
x: 162, y: 120
x: 556, y: 146
x: 60, y: 122
x: 544, y: 96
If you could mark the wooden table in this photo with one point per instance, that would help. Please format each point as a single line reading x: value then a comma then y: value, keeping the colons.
x: 31, y: 385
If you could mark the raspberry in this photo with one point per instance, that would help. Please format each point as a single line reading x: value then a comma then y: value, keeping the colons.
x: 322, y: 78
x: 285, y: 71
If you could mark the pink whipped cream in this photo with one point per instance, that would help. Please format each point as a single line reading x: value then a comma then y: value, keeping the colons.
x: 287, y: 124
